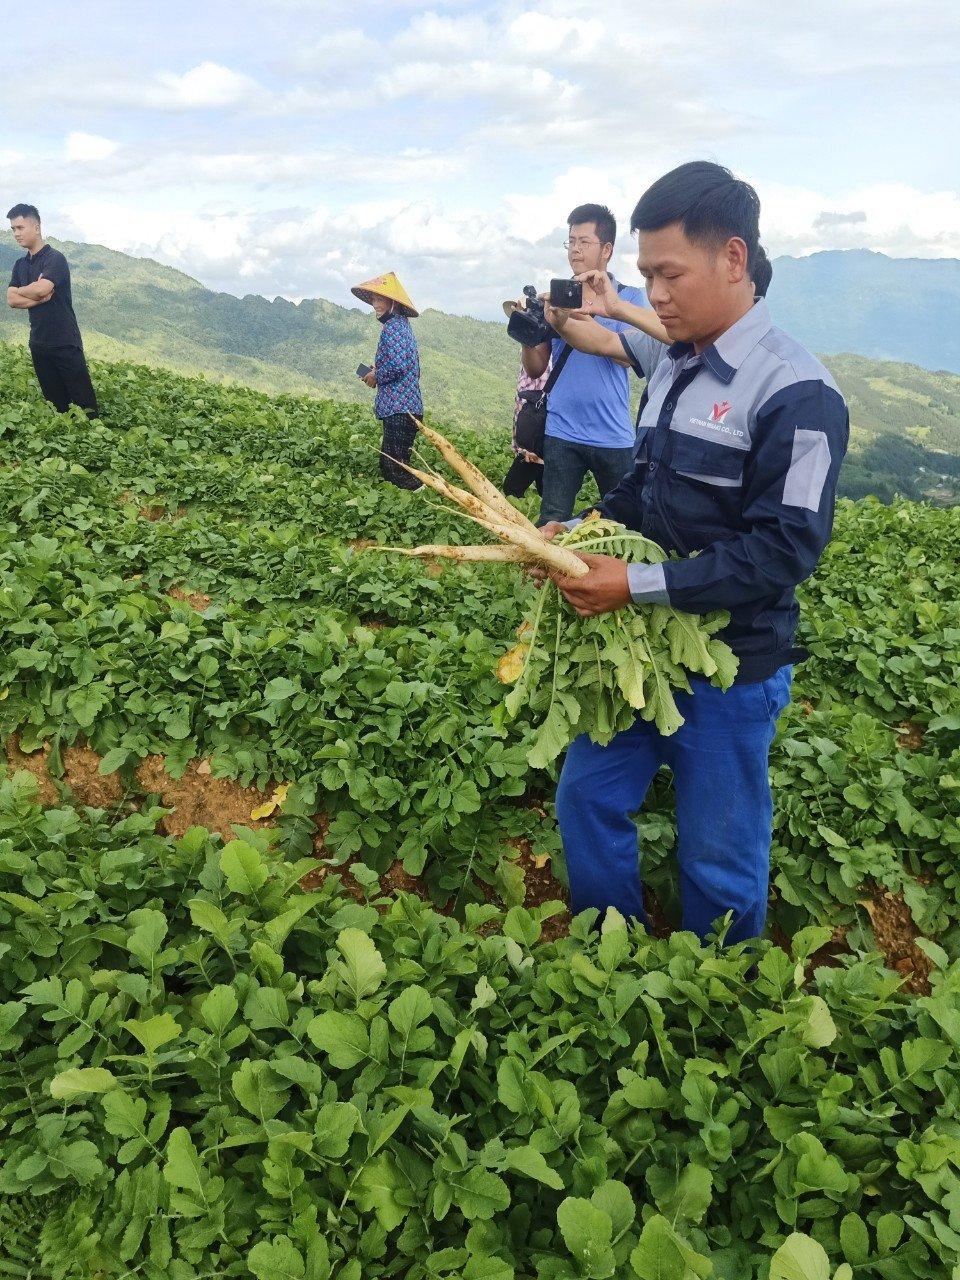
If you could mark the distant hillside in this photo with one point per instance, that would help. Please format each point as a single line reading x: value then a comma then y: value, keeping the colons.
x: 906, y: 436
x: 855, y: 300
x: 136, y: 309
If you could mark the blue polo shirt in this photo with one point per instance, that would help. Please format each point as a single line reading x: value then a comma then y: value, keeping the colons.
x: 590, y: 403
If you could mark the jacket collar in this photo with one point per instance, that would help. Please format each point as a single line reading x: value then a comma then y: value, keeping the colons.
x: 725, y: 356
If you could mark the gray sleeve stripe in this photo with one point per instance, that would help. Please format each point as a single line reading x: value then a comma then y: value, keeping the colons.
x: 724, y: 482
x: 809, y: 467
x: 647, y: 583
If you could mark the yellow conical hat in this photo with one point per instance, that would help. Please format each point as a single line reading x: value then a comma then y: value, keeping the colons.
x: 386, y: 286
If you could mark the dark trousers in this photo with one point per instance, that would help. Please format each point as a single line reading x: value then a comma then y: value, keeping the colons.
x: 399, y: 433
x: 521, y: 476
x: 565, y: 466
x: 65, y: 379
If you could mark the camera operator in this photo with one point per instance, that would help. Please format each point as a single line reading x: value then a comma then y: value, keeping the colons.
x: 589, y: 426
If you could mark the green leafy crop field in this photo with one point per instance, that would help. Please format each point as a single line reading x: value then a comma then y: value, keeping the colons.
x: 288, y: 987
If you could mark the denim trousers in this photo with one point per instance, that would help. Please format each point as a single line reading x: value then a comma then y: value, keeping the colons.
x: 719, y: 759
x: 565, y: 466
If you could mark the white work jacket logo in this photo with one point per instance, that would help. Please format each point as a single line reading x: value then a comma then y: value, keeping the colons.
x: 717, y: 421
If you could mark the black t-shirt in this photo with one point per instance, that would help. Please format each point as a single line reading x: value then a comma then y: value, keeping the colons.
x: 52, y: 323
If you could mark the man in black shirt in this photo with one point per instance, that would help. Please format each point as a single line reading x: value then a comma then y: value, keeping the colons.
x: 40, y: 284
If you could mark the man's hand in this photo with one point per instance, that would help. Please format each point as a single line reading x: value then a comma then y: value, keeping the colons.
x: 600, y: 297
x: 370, y: 378
x: 558, y: 317
x: 39, y: 291
x: 547, y: 532
x: 602, y: 590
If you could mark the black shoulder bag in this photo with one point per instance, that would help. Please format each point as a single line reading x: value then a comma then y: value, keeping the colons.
x: 531, y: 424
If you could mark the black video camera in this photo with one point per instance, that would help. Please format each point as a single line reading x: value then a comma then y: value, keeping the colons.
x: 527, y: 326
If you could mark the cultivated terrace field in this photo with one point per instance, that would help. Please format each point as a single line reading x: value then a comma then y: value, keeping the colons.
x: 287, y: 984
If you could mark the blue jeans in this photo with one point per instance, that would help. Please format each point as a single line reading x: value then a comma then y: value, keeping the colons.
x: 724, y: 807
x: 565, y: 466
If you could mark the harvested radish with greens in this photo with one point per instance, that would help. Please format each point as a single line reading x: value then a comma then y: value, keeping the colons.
x: 580, y: 675
x: 593, y: 675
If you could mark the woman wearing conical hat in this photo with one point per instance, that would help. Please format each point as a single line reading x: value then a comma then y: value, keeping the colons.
x: 395, y: 374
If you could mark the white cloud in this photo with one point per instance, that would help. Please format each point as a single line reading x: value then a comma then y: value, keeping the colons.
x: 450, y: 143
x: 93, y: 86
x: 897, y: 219
x: 467, y: 261
x: 159, y: 170
x: 205, y: 85
x: 88, y: 146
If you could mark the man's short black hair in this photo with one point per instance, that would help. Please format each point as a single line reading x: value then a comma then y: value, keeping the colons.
x: 762, y: 272
x: 24, y: 211
x: 710, y: 204
x: 600, y: 216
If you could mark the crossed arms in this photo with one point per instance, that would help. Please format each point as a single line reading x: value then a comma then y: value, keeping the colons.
x: 29, y: 295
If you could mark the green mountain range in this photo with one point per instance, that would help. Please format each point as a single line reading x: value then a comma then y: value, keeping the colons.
x: 135, y: 309
x: 906, y: 419
x: 856, y: 300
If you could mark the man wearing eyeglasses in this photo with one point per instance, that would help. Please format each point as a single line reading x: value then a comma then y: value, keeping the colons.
x: 589, y: 425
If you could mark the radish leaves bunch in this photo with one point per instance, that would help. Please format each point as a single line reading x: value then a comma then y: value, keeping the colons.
x: 593, y: 675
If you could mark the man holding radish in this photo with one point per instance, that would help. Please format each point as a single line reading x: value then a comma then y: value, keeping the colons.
x: 741, y: 437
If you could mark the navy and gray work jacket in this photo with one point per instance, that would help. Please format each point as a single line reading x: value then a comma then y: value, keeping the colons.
x: 738, y: 454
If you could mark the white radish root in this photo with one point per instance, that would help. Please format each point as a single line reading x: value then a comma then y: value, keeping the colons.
x: 445, y: 551
x: 474, y: 477
x: 542, y: 552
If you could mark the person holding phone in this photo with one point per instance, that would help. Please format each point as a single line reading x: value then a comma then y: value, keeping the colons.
x: 589, y: 426
x: 395, y: 374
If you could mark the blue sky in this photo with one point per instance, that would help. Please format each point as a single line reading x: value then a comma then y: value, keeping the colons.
x: 293, y: 148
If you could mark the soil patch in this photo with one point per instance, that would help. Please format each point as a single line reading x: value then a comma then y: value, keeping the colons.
x: 396, y: 880
x: 909, y: 735
x: 81, y: 773
x: 828, y: 956
x: 155, y: 511
x: 541, y: 885
x: 34, y: 762
x: 314, y: 879
x: 657, y: 921
x: 198, y: 799
x: 896, y: 936
x: 195, y: 599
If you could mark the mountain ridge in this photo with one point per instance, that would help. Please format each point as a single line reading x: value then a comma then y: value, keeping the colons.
x: 906, y: 418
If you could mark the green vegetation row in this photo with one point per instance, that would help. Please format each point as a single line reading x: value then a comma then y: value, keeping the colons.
x: 207, y: 1072
x: 259, y: 1102
x: 371, y: 684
